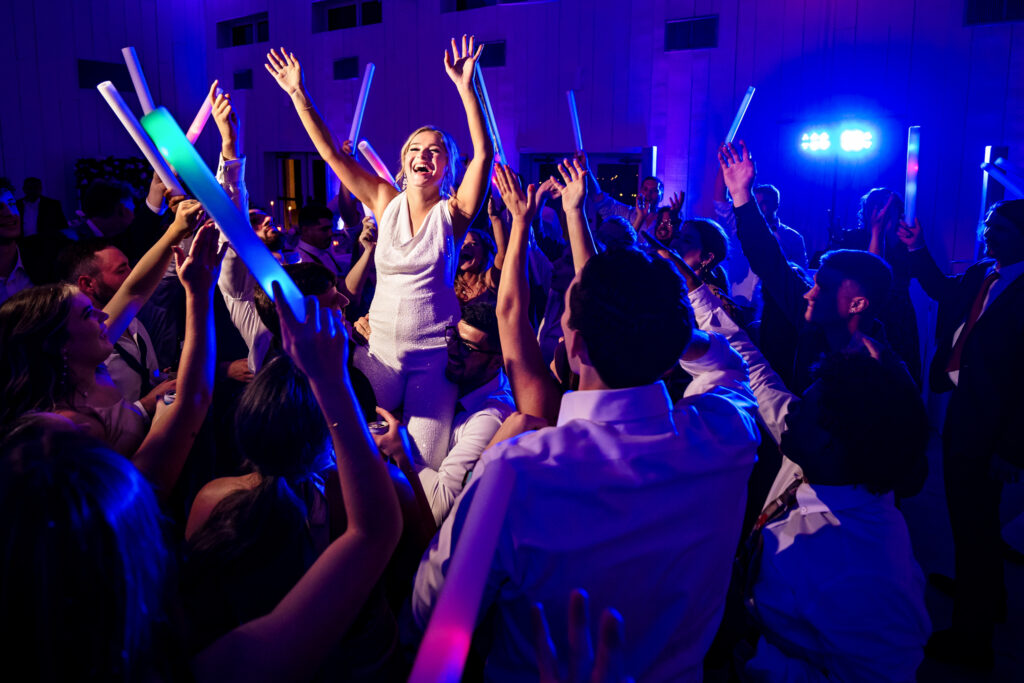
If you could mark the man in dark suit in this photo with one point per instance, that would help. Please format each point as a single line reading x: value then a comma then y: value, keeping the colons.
x: 980, y: 334
x: 39, y: 215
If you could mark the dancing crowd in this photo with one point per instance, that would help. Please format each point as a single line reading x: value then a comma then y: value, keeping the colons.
x: 706, y: 431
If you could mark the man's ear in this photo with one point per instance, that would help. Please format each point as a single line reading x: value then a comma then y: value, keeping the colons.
x: 859, y: 304
x: 87, y: 285
x: 576, y: 348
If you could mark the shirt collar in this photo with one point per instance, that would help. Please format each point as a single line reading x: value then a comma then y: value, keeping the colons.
x: 18, y: 266
x: 474, y: 400
x: 1010, y: 273
x: 616, y: 405
x: 307, y: 247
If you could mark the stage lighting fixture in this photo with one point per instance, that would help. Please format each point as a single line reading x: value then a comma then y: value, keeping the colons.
x: 855, y: 140
x: 817, y: 141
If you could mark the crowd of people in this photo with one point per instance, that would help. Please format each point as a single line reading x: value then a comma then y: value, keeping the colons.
x: 706, y: 433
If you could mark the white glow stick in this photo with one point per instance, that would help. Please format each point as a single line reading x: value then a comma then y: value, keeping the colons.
x: 202, y: 116
x: 1009, y: 169
x: 499, y: 151
x: 442, y: 653
x: 740, y: 113
x: 1002, y: 178
x: 134, y: 129
x: 141, y: 88
x: 910, y: 193
x: 574, y: 117
x: 364, y: 94
x: 375, y: 161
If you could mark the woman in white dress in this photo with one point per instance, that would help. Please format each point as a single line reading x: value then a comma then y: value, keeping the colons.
x: 417, y: 256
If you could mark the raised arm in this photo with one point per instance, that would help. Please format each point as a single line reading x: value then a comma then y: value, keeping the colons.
x: 533, y: 388
x: 574, y: 195
x: 367, y: 187
x: 936, y: 284
x: 360, y: 270
x: 164, y: 450
x: 461, y: 68
x: 149, y: 271
x: 292, y: 641
x: 500, y: 228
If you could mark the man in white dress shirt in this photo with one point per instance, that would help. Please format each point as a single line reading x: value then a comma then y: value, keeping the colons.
x: 635, y: 500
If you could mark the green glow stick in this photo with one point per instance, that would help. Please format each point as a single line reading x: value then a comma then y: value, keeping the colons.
x: 175, y: 147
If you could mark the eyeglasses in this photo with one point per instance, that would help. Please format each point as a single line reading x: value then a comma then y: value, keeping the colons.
x: 451, y: 334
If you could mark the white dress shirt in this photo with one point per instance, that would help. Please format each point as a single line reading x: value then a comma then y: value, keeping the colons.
x: 635, y: 500
x: 126, y: 379
x: 839, y: 594
x: 486, y: 407
x: 15, y: 282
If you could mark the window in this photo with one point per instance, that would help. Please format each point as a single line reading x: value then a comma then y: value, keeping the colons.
x: 92, y: 73
x: 242, y: 80
x: 254, y: 28
x: 494, y: 54
x: 332, y: 15
x: 691, y: 34
x: 462, y: 5
x: 346, y: 68
x: 980, y: 12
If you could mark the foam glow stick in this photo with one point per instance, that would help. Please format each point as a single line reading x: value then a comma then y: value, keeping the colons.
x: 1009, y: 169
x: 141, y: 88
x: 235, y: 224
x: 1002, y: 178
x: 574, y: 117
x: 375, y: 161
x: 202, y: 116
x: 910, y: 193
x: 146, y: 145
x: 364, y: 94
x: 740, y: 113
x: 442, y: 654
x: 499, y: 151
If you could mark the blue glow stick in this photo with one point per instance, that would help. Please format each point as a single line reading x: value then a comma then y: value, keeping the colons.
x: 1001, y: 178
x: 574, y: 118
x: 1009, y: 169
x: 173, y: 144
x: 364, y: 94
x: 910, y: 193
x: 499, y: 151
x: 138, y: 79
x: 740, y: 113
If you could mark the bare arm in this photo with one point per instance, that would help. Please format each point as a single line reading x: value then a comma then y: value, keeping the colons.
x: 499, y: 226
x: 367, y: 187
x: 533, y: 388
x: 574, y: 194
x: 292, y: 641
x: 461, y: 68
x: 359, y: 271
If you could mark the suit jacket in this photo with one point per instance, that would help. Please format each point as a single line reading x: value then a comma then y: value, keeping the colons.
x: 987, y: 400
x: 51, y: 216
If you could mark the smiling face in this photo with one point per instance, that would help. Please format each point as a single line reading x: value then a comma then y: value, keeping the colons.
x: 87, y: 334
x: 651, y: 191
x: 472, y: 360
x: 664, y: 230
x: 425, y: 159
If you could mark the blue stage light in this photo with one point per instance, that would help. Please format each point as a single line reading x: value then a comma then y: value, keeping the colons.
x: 817, y: 141
x: 855, y: 140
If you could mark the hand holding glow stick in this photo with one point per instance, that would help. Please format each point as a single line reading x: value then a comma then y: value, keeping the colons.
x: 910, y: 193
x: 574, y: 117
x: 202, y: 116
x: 232, y: 222
x: 141, y: 88
x: 1003, y: 179
x: 364, y: 95
x: 740, y: 113
x: 146, y: 145
x: 375, y: 161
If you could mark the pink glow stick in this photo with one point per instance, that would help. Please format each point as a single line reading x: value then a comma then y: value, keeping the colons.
x: 442, y: 654
x: 375, y: 161
x: 138, y: 79
x: 202, y: 116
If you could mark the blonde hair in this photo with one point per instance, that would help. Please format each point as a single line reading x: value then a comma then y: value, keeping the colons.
x: 450, y: 171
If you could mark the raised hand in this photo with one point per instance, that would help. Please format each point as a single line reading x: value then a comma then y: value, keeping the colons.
x: 226, y: 117
x: 188, y: 215
x: 549, y: 189
x: 607, y: 667
x: 461, y: 63
x: 199, y: 270
x: 738, y: 170
x: 495, y: 205
x: 318, y: 346
x: 912, y: 236
x: 368, y: 235
x: 643, y: 208
x: 285, y: 69
x: 574, y: 174
x: 881, y: 218
x: 675, y: 202
x: 522, y: 205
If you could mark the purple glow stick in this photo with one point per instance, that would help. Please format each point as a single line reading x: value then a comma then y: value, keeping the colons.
x: 202, y: 116
x: 375, y: 161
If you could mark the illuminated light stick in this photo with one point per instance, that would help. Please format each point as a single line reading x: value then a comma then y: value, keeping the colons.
x: 364, y: 94
x: 146, y: 145
x: 1009, y: 169
x: 1002, y: 178
x: 499, y: 151
x: 141, y: 88
x: 232, y: 221
x: 740, y: 113
x: 375, y: 161
x: 202, y: 116
x: 574, y: 117
x: 910, y: 194
x: 442, y: 654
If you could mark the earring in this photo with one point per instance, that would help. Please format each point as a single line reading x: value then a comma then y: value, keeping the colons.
x: 405, y: 182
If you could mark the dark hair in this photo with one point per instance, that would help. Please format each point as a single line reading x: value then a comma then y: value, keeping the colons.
x: 633, y: 314
x: 874, y: 411
x: 312, y: 279
x: 772, y: 192
x: 1010, y: 209
x: 79, y: 258
x: 481, y: 315
x: 33, y: 330
x: 103, y: 196
x: 84, y: 574
x: 712, y: 239
x: 874, y: 200
x: 615, y: 232
x: 869, y: 271
x: 311, y: 214
x: 6, y: 184
x: 661, y: 185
